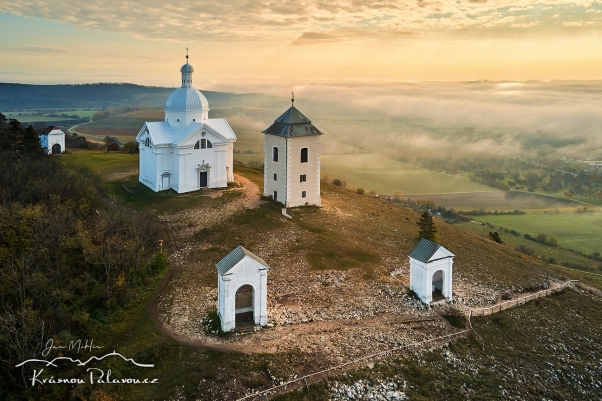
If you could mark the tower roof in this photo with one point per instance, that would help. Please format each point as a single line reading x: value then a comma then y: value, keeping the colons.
x: 292, y: 124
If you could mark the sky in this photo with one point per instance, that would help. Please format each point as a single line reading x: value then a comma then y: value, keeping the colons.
x: 245, y: 45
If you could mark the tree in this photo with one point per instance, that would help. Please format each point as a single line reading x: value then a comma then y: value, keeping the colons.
x: 495, y: 236
x: 31, y: 141
x: 427, y: 227
x: 111, y: 143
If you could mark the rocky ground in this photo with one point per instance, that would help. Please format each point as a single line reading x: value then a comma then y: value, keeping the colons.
x: 337, y: 314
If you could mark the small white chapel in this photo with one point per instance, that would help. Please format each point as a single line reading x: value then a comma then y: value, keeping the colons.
x: 188, y: 151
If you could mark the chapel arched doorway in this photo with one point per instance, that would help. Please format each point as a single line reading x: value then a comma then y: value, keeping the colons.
x: 56, y: 149
x: 438, y: 285
x: 243, y: 306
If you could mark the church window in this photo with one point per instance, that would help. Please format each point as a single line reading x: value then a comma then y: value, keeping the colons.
x: 194, y: 119
x: 275, y: 177
x: 304, y: 156
x: 275, y: 154
x: 147, y: 142
x: 303, y: 178
x: 204, y: 144
x: 196, y: 145
x: 209, y: 144
x: 303, y: 194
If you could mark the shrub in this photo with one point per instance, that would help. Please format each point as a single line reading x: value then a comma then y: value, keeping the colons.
x: 337, y: 182
x: 360, y: 191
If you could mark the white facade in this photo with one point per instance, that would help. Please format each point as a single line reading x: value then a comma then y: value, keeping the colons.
x: 52, y: 140
x: 187, y: 151
x: 292, y: 161
x: 431, y: 273
x: 239, y: 270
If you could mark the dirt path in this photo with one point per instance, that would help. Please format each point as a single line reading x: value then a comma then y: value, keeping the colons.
x: 251, y: 191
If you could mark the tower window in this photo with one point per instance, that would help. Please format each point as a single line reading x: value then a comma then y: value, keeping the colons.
x: 304, y: 156
x: 275, y: 195
x: 302, y: 178
x: 303, y: 194
x: 275, y: 154
x: 275, y: 177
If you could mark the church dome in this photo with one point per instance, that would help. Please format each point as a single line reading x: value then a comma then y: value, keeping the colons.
x: 186, y: 100
x: 187, y: 68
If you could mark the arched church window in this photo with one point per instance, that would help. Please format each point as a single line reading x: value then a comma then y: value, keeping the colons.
x: 275, y: 154
x: 304, y: 155
x: 196, y: 145
x: 209, y: 144
x: 147, y: 142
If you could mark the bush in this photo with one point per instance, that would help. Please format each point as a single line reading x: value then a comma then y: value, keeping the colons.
x: 360, y: 191
x: 337, y: 182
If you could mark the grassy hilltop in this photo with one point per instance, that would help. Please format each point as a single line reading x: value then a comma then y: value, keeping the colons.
x: 329, y: 265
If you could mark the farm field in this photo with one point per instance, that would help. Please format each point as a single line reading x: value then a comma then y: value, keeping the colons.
x: 497, y: 200
x: 374, y: 172
x: 124, y: 126
x: 579, y: 231
x: 32, y: 116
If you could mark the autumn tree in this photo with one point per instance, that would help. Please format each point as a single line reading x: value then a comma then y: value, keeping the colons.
x: 427, y: 227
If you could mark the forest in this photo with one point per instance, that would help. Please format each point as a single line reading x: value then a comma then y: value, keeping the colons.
x: 69, y: 255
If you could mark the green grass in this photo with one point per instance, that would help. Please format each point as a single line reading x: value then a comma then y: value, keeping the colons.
x: 497, y: 200
x: 570, y: 263
x: 100, y: 162
x: 579, y: 231
x: 387, y: 176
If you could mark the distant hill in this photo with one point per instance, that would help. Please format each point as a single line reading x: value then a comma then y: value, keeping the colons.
x: 15, y: 97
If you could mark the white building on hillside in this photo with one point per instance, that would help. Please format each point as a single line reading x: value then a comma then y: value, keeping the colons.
x: 431, y: 271
x: 292, y: 160
x: 52, y: 140
x: 242, y: 289
x: 188, y: 150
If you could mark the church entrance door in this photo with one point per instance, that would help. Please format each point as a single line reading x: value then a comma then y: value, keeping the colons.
x: 203, y: 179
x: 56, y: 149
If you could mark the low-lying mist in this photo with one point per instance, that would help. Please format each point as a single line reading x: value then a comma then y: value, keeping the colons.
x: 535, y: 117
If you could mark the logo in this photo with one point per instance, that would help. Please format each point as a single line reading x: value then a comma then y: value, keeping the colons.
x: 95, y: 375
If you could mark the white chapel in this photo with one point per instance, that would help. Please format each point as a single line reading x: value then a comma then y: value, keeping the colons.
x: 188, y: 150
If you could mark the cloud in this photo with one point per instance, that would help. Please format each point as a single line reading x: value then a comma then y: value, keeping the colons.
x: 316, y: 37
x: 207, y: 20
x: 40, y: 49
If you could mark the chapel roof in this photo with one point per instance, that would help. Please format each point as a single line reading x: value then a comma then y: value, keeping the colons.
x: 292, y: 123
x: 186, y: 99
x: 49, y: 129
x: 425, y: 250
x: 232, y: 259
x: 162, y: 133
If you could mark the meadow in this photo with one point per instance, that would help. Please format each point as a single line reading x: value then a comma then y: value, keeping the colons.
x: 497, y: 200
x: 32, y: 116
x: 581, y: 231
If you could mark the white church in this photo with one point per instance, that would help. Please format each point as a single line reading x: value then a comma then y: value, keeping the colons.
x: 188, y: 151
